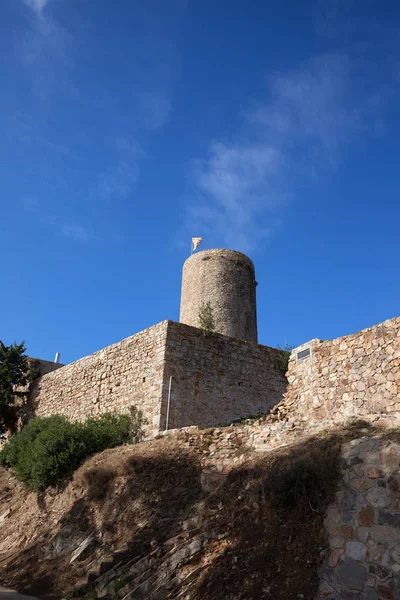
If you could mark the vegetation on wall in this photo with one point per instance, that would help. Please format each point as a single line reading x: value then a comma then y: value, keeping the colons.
x: 282, y: 361
x: 50, y: 448
x: 14, y: 371
x: 206, y: 317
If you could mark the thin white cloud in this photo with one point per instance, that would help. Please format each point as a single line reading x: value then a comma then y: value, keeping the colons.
x: 317, y: 103
x: 301, y: 128
x: 117, y: 180
x: 57, y: 224
x: 235, y: 183
x: 75, y: 232
x: 46, y: 51
x: 22, y: 129
x: 37, y: 5
x: 153, y: 109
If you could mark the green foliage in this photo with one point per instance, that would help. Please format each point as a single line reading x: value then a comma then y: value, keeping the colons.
x: 47, y: 449
x: 206, y: 318
x: 13, y: 374
x: 283, y: 357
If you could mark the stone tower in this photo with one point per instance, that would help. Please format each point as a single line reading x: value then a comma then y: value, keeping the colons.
x: 225, y: 279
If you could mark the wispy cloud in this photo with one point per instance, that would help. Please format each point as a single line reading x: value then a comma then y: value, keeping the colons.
x: 60, y: 226
x: 153, y: 109
x: 37, y: 5
x: 235, y: 182
x: 46, y: 51
x: 309, y: 116
x: 138, y: 109
x: 75, y: 232
x: 22, y: 129
x: 118, y: 178
x: 315, y: 102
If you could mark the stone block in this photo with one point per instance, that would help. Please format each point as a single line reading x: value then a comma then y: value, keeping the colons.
x: 356, y: 550
x: 351, y: 574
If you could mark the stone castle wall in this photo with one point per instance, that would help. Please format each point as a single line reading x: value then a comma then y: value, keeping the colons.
x: 113, y: 379
x: 216, y: 379
x: 354, y: 375
x: 225, y: 279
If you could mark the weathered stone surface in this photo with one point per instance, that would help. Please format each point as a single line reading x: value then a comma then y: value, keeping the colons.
x: 396, y: 554
x: 351, y: 574
x: 84, y: 548
x: 366, y: 516
x: 348, y: 595
x: 389, y: 518
x: 337, y: 541
x: 379, y: 571
x: 215, y: 379
x: 356, y: 550
x: 334, y: 557
x: 348, y: 532
x: 374, y: 472
x: 390, y: 460
x: 372, y: 535
x: 385, y: 593
x: 349, y: 499
x: 4, y: 516
x: 227, y: 279
x: 354, y: 381
x: 379, y: 497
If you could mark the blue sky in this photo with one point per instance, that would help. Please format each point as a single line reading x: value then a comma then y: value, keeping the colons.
x: 128, y: 127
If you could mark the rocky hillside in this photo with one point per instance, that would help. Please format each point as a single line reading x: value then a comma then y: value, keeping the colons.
x: 203, y: 515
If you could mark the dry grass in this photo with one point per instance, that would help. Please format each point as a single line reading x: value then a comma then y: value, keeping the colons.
x: 266, y: 519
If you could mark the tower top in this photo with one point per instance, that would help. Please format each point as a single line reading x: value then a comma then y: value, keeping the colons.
x: 226, y: 280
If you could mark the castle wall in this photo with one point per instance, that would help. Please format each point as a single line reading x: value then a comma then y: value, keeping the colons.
x: 37, y: 368
x: 217, y: 379
x: 349, y: 376
x: 113, y: 379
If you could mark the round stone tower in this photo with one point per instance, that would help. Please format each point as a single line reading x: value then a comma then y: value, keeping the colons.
x: 225, y: 279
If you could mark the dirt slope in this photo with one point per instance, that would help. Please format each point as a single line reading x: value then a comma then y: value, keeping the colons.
x: 156, y: 534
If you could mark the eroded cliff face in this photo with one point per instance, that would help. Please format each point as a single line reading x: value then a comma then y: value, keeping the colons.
x: 205, y: 514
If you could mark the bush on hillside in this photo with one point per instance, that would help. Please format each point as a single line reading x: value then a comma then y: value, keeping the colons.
x: 49, y: 448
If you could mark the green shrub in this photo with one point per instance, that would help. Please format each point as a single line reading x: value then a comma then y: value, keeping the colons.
x: 282, y: 361
x: 14, y: 370
x: 206, y: 318
x: 47, y: 449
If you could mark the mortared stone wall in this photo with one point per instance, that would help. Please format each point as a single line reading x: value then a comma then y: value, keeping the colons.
x: 350, y: 376
x: 215, y: 379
